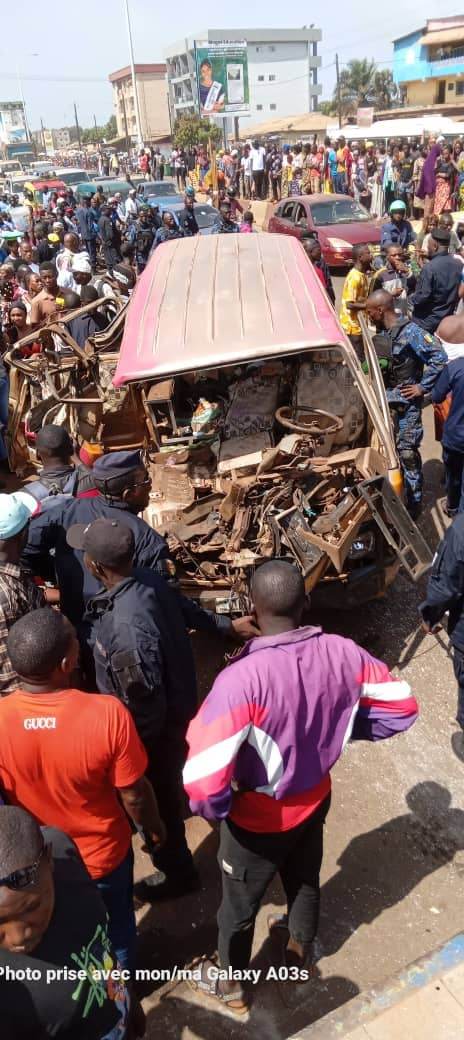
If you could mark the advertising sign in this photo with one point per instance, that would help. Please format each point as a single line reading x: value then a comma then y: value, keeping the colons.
x: 12, y: 122
x: 222, y: 78
x: 365, y: 116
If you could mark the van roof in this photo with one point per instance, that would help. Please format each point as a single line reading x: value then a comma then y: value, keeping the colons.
x: 222, y: 299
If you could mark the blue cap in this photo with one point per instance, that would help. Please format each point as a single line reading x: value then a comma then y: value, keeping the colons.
x: 15, y: 512
x: 116, y: 464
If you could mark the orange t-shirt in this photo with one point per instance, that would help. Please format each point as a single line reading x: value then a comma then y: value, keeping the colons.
x: 62, y: 756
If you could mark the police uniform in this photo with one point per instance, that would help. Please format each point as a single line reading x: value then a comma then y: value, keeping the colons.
x: 445, y: 593
x: 188, y: 222
x: 143, y: 653
x: 47, y: 535
x: 415, y: 356
x: 223, y: 227
x: 141, y: 236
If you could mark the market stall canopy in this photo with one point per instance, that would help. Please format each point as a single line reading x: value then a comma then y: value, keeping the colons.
x: 412, y: 127
x: 222, y: 299
x: 310, y: 123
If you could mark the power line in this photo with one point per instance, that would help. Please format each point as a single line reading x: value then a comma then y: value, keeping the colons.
x: 55, y: 79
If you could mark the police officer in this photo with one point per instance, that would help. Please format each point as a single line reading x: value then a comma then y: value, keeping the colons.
x: 437, y: 290
x: 224, y: 225
x: 142, y: 235
x: 124, y: 484
x: 415, y: 360
x: 186, y: 217
x: 143, y: 654
x: 168, y: 230
x: 445, y: 592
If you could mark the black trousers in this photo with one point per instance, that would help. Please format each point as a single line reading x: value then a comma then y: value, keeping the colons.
x: 258, y: 177
x: 458, y: 662
x: 248, y: 862
x: 166, y: 760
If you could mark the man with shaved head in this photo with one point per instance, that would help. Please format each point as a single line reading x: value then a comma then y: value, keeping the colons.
x: 450, y: 332
x: 260, y: 752
x: 415, y: 360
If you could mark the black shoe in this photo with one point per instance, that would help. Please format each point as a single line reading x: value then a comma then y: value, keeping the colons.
x: 457, y: 744
x: 157, y: 887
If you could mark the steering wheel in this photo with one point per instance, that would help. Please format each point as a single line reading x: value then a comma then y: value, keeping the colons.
x: 318, y: 423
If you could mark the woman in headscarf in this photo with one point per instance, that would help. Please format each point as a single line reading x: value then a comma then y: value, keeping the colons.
x: 428, y: 181
x: 445, y: 173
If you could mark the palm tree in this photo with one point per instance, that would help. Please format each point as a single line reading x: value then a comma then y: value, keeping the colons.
x: 386, y: 90
x: 357, y: 85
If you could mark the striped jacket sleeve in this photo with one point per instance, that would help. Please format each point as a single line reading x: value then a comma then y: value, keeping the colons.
x: 215, y: 737
x: 386, y: 704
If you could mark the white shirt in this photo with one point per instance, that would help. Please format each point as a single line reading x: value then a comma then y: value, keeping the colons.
x: 257, y: 158
x: 245, y: 163
x: 131, y: 207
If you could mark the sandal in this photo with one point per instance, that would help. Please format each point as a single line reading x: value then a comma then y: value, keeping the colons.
x: 236, y: 1001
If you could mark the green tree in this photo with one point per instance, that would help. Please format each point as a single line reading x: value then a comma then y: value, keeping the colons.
x: 357, y: 88
x: 386, y: 91
x: 328, y: 108
x: 363, y: 85
x: 111, y: 129
x: 190, y: 130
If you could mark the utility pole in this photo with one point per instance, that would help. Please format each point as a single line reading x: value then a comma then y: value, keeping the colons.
x: 77, y: 127
x: 125, y: 121
x: 339, y: 97
x: 43, y: 134
x: 138, y: 121
x: 96, y: 129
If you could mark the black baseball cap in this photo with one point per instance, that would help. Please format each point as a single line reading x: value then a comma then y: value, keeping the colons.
x: 105, y: 541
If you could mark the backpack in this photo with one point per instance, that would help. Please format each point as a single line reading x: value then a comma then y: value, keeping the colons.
x: 53, y: 491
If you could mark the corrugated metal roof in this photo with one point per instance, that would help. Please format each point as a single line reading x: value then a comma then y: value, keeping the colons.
x: 443, y: 36
x: 220, y: 299
x: 308, y: 123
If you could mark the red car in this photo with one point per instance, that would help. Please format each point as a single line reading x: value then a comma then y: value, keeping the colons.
x: 338, y: 221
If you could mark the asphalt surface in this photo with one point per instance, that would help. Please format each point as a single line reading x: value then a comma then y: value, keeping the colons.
x: 393, y: 865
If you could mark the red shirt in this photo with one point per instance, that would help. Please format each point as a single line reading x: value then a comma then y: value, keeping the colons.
x: 62, y: 757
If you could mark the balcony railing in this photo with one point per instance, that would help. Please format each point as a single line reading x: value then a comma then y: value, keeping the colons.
x: 446, y: 54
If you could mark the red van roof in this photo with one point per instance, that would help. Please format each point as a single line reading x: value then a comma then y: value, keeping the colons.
x: 222, y: 299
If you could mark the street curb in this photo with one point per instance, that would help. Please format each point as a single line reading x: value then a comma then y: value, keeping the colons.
x: 368, y: 1005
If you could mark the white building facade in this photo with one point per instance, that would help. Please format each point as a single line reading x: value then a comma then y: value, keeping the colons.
x: 283, y: 69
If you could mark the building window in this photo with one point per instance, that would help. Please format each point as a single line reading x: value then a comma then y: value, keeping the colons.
x: 460, y: 87
x: 272, y: 48
x: 257, y: 49
x: 260, y: 79
x: 272, y: 107
x: 259, y: 108
x: 271, y: 79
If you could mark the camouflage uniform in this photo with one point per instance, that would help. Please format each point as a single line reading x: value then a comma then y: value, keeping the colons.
x: 415, y: 356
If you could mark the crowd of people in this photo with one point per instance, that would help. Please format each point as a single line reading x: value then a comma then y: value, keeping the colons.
x: 428, y: 178
x: 101, y: 734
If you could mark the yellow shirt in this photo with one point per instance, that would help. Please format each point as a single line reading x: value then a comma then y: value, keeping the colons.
x: 355, y: 289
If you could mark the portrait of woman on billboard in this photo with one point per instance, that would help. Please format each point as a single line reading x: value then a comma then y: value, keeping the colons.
x: 212, y: 95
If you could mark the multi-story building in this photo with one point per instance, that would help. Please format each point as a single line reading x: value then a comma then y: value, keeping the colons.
x: 428, y: 65
x: 55, y: 140
x: 153, y: 102
x: 282, y: 71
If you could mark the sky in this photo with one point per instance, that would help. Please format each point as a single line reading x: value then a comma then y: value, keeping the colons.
x: 65, y: 56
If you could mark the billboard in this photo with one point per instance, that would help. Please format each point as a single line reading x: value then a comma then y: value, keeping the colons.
x: 12, y: 122
x: 222, y: 78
